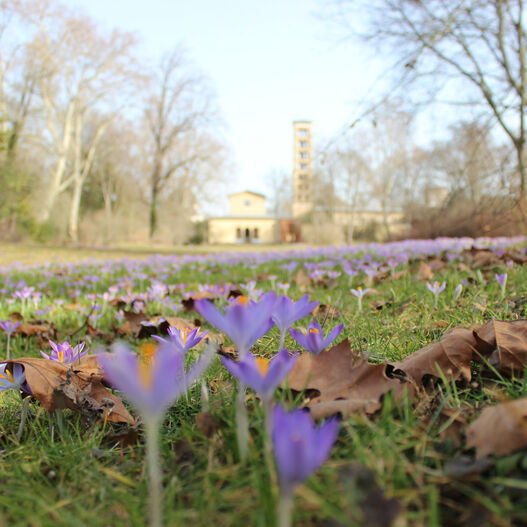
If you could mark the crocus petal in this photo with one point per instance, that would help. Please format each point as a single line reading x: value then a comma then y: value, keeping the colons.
x: 333, y: 334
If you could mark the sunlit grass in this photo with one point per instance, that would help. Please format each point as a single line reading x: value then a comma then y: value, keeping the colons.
x: 79, y: 478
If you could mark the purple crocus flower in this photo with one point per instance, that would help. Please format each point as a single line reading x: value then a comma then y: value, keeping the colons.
x: 299, y: 449
x: 152, y: 381
x: 13, y: 380
x: 436, y: 289
x: 314, y: 341
x: 262, y: 375
x: 286, y: 312
x: 9, y: 326
x: 359, y: 293
x: 64, y: 352
x: 502, y: 281
x: 244, y: 321
x: 183, y: 339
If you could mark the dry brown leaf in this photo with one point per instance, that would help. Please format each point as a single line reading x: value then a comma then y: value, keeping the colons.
x: 504, y: 344
x: 56, y: 385
x: 132, y: 323
x: 324, y: 311
x: 452, y: 355
x: 398, y: 275
x: 436, y: 264
x: 500, y: 429
x: 425, y: 272
x: 302, y: 280
x: 344, y: 381
x: 188, y: 303
x: 29, y: 329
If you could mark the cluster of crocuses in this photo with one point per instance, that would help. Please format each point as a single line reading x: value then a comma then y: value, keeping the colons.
x: 152, y: 381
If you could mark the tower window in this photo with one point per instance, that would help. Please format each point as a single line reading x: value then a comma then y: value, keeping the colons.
x: 256, y: 233
x: 302, y: 144
x: 302, y: 132
x: 303, y: 155
x: 302, y: 166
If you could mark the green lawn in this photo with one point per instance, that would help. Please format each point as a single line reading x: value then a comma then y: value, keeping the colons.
x: 403, y: 457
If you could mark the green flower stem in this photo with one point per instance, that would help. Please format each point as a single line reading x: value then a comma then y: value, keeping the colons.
x: 282, y: 339
x: 154, y: 473
x: 242, y: 422
x: 8, y: 343
x: 23, y: 417
x: 285, y: 508
x: 268, y: 444
x: 60, y: 420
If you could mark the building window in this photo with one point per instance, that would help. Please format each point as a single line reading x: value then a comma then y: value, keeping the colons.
x: 302, y: 176
x: 302, y: 144
x: 246, y: 202
x: 302, y: 166
x: 302, y: 132
x: 238, y: 233
x: 303, y: 155
x: 255, y: 233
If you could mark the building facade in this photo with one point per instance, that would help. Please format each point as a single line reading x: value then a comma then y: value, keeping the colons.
x: 247, y: 221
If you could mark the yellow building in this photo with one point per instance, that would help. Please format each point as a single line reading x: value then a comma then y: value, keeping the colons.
x: 247, y: 221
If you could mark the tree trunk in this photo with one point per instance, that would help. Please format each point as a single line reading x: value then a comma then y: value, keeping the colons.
x: 73, y: 225
x: 153, y: 211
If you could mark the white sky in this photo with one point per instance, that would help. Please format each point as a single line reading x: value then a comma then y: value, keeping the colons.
x: 271, y: 62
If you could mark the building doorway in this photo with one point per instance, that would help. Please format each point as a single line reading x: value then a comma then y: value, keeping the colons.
x: 247, y: 237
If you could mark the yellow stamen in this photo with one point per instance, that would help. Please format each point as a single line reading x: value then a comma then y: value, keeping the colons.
x: 359, y: 288
x: 262, y: 365
x: 243, y: 300
x: 60, y: 355
x: 147, y: 353
x: 8, y: 376
x: 184, y: 333
x: 313, y: 330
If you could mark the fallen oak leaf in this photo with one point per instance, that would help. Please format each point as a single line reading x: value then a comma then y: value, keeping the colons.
x: 500, y: 429
x: 302, y: 280
x: 188, y: 303
x: 425, y: 272
x: 451, y: 355
x: 343, y: 381
x: 503, y: 344
x: 57, y: 385
x: 31, y: 329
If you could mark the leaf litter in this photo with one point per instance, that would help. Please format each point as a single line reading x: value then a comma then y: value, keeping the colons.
x: 342, y: 381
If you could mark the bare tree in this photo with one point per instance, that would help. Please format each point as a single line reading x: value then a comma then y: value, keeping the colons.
x: 479, y: 45
x: 179, y: 116
x: 81, y: 72
x: 17, y: 77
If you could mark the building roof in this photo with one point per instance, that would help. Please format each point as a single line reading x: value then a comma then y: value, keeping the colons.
x: 247, y: 192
